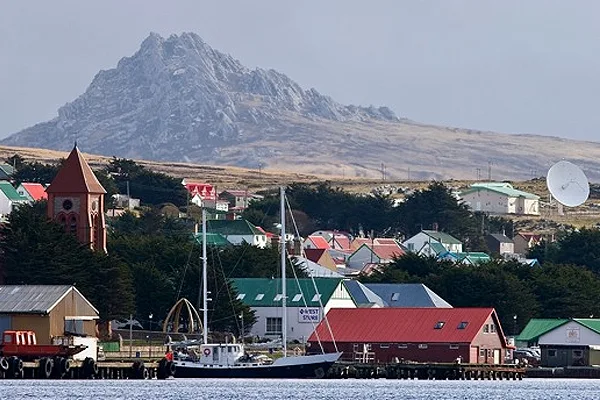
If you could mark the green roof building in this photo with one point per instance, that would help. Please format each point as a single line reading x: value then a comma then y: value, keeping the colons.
x: 304, y: 310
x: 500, y: 198
x: 238, y: 231
x: 9, y: 198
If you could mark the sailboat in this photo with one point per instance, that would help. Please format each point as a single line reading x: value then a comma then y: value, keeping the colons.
x: 230, y: 360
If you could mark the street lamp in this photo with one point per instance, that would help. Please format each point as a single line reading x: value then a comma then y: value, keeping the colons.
x: 241, y: 316
x: 515, y: 326
x: 150, y: 337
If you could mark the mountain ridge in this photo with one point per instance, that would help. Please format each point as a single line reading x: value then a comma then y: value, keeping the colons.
x: 178, y: 99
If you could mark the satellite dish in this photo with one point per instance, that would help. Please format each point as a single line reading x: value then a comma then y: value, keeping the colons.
x: 568, y: 184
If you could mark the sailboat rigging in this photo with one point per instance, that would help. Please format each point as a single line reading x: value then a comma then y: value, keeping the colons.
x: 230, y: 360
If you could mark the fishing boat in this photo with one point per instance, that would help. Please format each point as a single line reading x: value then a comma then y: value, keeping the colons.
x: 231, y: 360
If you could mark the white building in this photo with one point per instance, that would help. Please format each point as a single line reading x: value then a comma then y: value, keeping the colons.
x: 415, y: 243
x: 303, y: 309
x: 500, y: 198
x: 9, y: 198
x: 238, y: 231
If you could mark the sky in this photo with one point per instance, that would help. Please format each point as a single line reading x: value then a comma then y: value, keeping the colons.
x: 509, y: 66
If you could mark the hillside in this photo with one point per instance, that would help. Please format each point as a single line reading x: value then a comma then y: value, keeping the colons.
x: 179, y: 100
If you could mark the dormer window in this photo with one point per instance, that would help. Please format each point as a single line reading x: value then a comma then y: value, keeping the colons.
x: 462, y: 325
x: 395, y: 296
x: 278, y: 297
x: 240, y: 296
x: 259, y: 296
x: 297, y: 297
x: 439, y: 325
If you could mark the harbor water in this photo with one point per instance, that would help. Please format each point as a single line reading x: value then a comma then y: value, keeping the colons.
x: 259, y: 389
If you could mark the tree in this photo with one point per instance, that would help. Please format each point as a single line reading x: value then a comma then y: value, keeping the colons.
x: 36, y: 250
x: 437, y: 208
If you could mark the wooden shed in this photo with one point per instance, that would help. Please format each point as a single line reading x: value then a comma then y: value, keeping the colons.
x: 48, y: 310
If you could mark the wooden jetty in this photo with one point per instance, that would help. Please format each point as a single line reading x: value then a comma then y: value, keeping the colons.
x: 60, y: 368
x: 431, y: 371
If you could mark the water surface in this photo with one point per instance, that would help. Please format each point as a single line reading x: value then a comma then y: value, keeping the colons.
x: 258, y: 389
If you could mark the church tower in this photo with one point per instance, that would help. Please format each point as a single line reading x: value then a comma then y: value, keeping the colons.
x: 76, y: 201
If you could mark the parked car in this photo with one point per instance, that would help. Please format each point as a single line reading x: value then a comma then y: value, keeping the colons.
x: 527, y: 355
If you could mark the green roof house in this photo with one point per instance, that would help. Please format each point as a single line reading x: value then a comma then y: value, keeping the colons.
x: 304, y: 310
x: 9, y: 198
x: 427, y: 243
x: 500, y: 198
x: 238, y: 231
x: 565, y: 342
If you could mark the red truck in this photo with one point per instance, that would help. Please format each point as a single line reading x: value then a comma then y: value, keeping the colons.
x: 23, y: 344
x: 19, y: 346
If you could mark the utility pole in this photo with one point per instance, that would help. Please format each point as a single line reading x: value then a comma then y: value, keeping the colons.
x: 478, y: 171
x: 408, y: 173
x: 489, y: 171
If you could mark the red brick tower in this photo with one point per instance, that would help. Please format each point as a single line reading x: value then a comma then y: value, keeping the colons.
x: 76, y: 201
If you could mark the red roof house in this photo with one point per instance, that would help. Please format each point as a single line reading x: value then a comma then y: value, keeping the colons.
x: 32, y: 191
x: 316, y: 242
x: 369, y: 253
x: 413, y: 334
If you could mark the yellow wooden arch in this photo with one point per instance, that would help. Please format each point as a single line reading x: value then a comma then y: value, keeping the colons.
x: 184, y: 308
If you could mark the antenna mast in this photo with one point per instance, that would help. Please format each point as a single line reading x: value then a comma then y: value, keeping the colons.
x: 204, y: 280
x: 283, y: 277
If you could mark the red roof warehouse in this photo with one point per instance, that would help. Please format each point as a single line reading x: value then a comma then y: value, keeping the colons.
x: 413, y: 334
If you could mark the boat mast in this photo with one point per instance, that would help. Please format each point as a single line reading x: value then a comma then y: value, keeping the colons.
x: 204, y: 280
x: 283, y: 277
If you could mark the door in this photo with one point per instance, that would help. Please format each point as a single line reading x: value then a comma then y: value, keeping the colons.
x: 474, y: 355
x: 497, y: 356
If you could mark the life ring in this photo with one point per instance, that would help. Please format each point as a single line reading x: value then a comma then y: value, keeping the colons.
x: 206, y: 352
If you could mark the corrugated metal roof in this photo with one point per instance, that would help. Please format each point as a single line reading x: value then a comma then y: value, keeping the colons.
x: 319, y: 242
x: 500, y: 187
x: 404, y: 325
x: 593, y: 324
x: 213, y: 239
x: 10, y: 192
x: 501, y: 238
x: 442, y: 237
x: 407, y: 295
x: 263, y: 292
x: 536, y: 327
x: 362, y: 295
x: 30, y: 299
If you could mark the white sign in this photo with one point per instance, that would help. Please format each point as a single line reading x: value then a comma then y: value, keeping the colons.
x: 572, y: 335
x: 309, y: 314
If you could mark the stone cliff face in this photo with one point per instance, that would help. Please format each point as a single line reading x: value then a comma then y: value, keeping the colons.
x: 179, y: 99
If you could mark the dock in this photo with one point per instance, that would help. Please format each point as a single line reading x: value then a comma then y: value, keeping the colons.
x: 426, y: 371
x: 61, y: 368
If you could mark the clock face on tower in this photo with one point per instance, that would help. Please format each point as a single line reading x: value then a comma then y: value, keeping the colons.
x: 67, y: 205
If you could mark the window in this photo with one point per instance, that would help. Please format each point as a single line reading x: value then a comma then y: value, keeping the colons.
x: 481, y: 352
x: 551, y: 353
x: 402, y: 346
x: 259, y: 296
x: 74, y: 326
x: 395, y: 296
x: 577, y: 353
x: 73, y: 224
x: 316, y: 297
x: 453, y: 347
x: 384, y: 346
x: 486, y: 328
x: 297, y: 297
x: 492, y: 328
x: 355, y: 347
x: 411, y: 247
x: 439, y: 325
x: 278, y: 297
x: 241, y: 296
x: 273, y: 326
x: 423, y: 346
x: 462, y: 325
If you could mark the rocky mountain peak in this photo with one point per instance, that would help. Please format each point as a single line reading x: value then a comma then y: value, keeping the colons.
x: 177, y: 98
